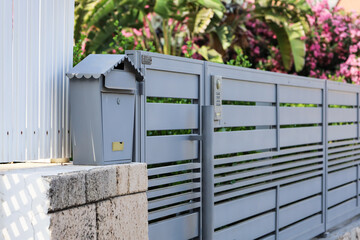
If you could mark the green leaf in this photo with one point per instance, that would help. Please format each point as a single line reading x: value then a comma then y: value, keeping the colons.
x: 210, y: 54
x: 224, y: 36
x: 165, y: 8
x: 202, y: 20
x: 80, y: 12
x: 284, y: 44
x: 105, y: 8
x: 291, y: 46
x: 215, y: 5
x: 298, y: 48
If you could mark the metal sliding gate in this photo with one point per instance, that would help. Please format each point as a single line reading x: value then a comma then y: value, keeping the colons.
x: 277, y: 157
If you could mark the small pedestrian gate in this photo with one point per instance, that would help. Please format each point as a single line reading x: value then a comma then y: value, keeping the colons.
x: 237, y: 153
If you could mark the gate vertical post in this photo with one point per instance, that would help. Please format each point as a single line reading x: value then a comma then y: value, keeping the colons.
x: 207, y: 197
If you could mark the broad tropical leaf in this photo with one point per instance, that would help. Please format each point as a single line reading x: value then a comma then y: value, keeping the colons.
x: 298, y: 48
x: 289, y: 25
x: 224, y: 37
x: 165, y: 8
x: 291, y: 46
x: 215, y: 5
x: 210, y: 54
x: 202, y: 20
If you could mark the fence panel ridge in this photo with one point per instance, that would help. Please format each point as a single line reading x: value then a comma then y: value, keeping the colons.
x: 5, y: 76
x: 36, y: 51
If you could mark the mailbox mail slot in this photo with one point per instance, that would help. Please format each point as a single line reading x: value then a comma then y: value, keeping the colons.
x: 102, y: 108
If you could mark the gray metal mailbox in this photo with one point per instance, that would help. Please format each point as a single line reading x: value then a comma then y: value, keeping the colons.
x: 102, y: 108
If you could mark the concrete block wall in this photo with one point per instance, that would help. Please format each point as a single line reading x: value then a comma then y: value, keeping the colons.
x: 74, y: 202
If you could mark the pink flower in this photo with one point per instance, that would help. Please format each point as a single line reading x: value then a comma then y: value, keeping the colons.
x: 126, y: 34
x: 184, y: 49
x: 137, y: 32
x: 353, y: 49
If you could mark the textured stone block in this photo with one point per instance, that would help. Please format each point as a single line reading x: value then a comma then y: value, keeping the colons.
x: 100, y: 183
x: 122, y: 179
x: 138, y: 179
x: 123, y: 218
x: 66, y: 190
x: 74, y: 224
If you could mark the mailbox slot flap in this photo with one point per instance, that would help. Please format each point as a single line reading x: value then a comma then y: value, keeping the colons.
x: 119, y: 79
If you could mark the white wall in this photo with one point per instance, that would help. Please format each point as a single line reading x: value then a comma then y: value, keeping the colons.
x: 36, y: 39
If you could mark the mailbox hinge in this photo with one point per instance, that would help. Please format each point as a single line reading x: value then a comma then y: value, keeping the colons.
x: 141, y: 88
x: 147, y: 60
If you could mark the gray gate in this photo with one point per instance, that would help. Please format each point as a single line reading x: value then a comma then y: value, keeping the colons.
x: 282, y: 161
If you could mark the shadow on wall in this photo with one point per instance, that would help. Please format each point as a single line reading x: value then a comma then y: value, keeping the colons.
x: 24, y: 207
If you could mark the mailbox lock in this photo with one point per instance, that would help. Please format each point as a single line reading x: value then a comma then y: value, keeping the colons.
x: 118, y: 101
x: 117, y: 146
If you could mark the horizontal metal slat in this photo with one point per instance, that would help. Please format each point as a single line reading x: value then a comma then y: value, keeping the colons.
x: 220, y: 161
x: 300, y: 136
x: 173, y: 210
x: 273, y: 176
x: 342, y: 217
x: 299, y: 230
x: 178, y: 228
x: 337, y: 132
x: 343, y: 154
x: 173, y: 168
x: 173, y: 189
x: 264, y: 186
x: 162, y: 149
x: 171, y: 84
x: 176, y: 178
x: 342, y: 143
x: 342, y: 166
x: 235, y: 90
x: 341, y: 209
x: 266, y: 170
x: 341, y: 98
x: 296, y: 191
x: 341, y: 194
x: 300, y: 210
x: 173, y: 200
x: 269, y: 237
x: 289, y: 94
x: 300, y: 115
x: 236, y: 210
x: 261, y: 163
x: 352, y: 159
x: 344, y: 148
x: 232, y: 142
x: 175, y: 64
x: 342, y: 87
x: 252, y: 75
x: 164, y: 116
x: 342, y: 115
x: 233, y: 115
x: 341, y: 177
x: 249, y: 229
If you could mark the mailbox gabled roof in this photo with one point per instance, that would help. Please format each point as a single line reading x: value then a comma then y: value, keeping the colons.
x: 95, y: 65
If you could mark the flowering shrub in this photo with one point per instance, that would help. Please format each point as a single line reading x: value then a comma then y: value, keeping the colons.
x: 332, y: 41
x: 332, y: 45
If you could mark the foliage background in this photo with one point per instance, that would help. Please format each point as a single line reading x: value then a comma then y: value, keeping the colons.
x: 289, y: 36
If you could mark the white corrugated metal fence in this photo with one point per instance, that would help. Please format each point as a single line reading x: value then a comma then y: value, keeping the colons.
x: 36, y: 39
